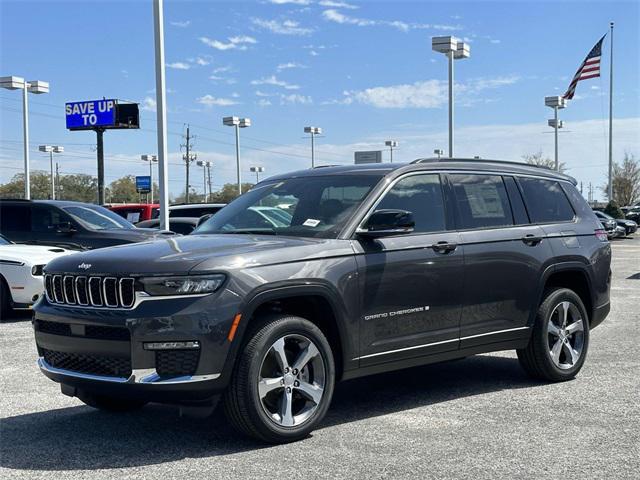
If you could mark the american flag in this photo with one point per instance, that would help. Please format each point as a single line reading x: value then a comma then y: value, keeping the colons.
x: 590, y: 68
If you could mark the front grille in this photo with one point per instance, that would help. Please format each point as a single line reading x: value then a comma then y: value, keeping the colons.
x: 89, y: 364
x: 96, y: 332
x: 95, y: 291
x: 177, y: 363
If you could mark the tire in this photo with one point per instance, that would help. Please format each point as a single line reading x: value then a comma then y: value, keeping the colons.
x: 5, y: 300
x: 110, y: 404
x: 305, y: 383
x: 559, y: 341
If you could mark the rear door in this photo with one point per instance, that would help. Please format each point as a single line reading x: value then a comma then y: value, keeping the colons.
x: 504, y: 258
x: 411, y: 284
x: 15, y: 221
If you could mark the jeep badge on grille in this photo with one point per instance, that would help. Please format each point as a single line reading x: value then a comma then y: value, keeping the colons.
x: 84, y: 266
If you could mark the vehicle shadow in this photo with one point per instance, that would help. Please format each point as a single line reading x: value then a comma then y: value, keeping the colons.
x: 80, y: 438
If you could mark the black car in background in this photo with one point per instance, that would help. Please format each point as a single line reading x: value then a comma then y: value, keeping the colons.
x: 629, y: 226
x: 69, y: 224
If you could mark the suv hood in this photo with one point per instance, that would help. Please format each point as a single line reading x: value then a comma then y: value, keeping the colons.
x: 199, y: 253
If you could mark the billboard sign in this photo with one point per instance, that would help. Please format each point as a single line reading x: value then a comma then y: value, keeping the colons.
x: 143, y: 184
x: 368, y: 157
x: 90, y: 114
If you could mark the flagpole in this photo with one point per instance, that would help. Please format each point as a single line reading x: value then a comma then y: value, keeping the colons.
x: 610, y: 191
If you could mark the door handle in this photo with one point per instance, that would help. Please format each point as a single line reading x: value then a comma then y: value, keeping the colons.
x: 444, y: 247
x: 531, y: 240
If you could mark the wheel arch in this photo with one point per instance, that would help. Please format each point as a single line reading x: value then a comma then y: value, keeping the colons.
x: 571, y: 275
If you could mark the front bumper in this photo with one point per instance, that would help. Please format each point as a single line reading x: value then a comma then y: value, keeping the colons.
x: 103, y: 350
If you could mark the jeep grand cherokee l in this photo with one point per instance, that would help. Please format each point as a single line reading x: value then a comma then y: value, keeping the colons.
x: 380, y: 267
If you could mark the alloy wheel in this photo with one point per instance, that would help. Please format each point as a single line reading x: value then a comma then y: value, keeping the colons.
x: 292, y: 380
x: 565, y: 333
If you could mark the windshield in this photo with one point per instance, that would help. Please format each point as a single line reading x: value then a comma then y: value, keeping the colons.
x: 97, y: 218
x: 4, y: 241
x: 302, y: 207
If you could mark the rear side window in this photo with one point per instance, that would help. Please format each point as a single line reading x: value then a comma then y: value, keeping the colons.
x: 15, y: 218
x: 422, y: 196
x: 46, y: 219
x: 482, y: 201
x: 546, y: 201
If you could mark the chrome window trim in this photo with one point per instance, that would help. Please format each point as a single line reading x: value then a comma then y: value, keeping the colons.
x: 104, y: 291
x: 91, y: 299
x: 459, y: 339
x: 64, y: 289
x: 53, y: 285
x: 133, y: 282
x: 86, y: 288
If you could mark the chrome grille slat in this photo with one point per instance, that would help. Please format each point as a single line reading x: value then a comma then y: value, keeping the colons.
x: 80, y: 290
x: 69, y: 290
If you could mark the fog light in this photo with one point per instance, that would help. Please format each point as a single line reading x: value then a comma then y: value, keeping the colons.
x: 171, y: 345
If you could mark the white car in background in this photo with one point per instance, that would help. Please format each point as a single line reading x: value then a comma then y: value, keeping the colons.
x: 21, y: 280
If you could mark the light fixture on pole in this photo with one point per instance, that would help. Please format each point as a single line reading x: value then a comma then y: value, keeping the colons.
x: 51, y: 149
x: 150, y: 159
x: 257, y: 171
x: 206, y: 169
x: 439, y: 152
x: 313, y: 131
x: 454, y: 49
x: 238, y: 123
x: 557, y: 103
x: 32, y: 86
x: 391, y: 144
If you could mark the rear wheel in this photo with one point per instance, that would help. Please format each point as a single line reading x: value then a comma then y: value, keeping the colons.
x: 560, y: 340
x: 283, y: 381
x: 110, y: 404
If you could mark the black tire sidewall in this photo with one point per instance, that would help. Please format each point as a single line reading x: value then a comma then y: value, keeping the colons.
x: 540, y: 334
x: 287, y: 325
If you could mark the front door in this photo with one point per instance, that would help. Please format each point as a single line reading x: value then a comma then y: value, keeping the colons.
x: 410, y: 283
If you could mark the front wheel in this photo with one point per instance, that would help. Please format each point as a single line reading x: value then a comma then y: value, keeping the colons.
x: 560, y: 339
x: 283, y: 381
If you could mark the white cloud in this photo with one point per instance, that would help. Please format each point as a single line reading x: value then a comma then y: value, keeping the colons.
x: 179, y: 65
x: 181, y: 24
x: 260, y: 93
x: 295, y: 98
x: 294, y: 2
x: 285, y: 27
x: 222, y: 69
x: 263, y: 102
x: 313, y: 53
x: 335, y: 16
x: 273, y: 80
x: 289, y: 65
x: 334, y: 4
x: 148, y: 105
x: 202, y: 61
x: 424, y: 94
x: 210, y: 101
x: 234, y: 43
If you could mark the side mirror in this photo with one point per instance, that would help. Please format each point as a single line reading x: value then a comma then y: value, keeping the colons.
x: 383, y: 223
x: 203, y: 219
x: 65, y: 227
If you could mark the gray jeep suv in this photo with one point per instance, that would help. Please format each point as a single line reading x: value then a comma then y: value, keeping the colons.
x: 370, y: 268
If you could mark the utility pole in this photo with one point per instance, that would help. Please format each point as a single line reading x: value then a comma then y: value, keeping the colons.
x: 57, y: 182
x: 209, y: 180
x: 610, y: 186
x: 100, y: 143
x: 188, y: 158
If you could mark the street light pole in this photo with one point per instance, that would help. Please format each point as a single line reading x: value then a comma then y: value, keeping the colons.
x: 238, y: 123
x: 391, y: 144
x: 454, y: 49
x: 33, y: 86
x: 313, y: 131
x: 51, y: 149
x: 257, y: 170
x: 150, y: 159
x: 556, y: 103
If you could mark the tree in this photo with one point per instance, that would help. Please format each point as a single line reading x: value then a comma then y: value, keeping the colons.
x: 613, y: 209
x: 80, y: 188
x: 229, y: 192
x: 626, y: 181
x: 541, y: 161
x: 123, y: 190
x: 40, y: 186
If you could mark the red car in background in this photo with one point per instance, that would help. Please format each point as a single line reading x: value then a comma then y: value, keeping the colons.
x: 136, y: 212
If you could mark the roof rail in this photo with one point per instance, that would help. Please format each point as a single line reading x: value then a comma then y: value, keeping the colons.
x: 478, y: 160
x: 326, y: 166
x: 16, y: 199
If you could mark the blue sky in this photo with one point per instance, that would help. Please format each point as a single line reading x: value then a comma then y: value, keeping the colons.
x: 363, y: 71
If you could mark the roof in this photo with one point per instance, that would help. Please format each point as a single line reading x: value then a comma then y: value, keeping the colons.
x: 426, y: 164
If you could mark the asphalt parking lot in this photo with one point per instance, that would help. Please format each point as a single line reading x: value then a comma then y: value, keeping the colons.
x: 475, y: 418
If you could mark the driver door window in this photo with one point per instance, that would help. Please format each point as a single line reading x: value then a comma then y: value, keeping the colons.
x: 422, y: 196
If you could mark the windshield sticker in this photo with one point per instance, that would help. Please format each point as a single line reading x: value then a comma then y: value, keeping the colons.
x: 311, y: 222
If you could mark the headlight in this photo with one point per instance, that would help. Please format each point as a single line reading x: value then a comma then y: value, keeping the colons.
x: 182, y: 285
